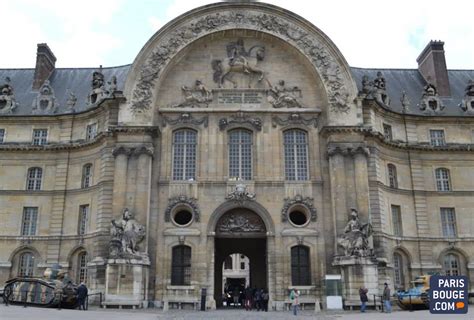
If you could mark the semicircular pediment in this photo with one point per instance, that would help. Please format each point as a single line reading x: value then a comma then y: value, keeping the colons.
x: 165, y: 48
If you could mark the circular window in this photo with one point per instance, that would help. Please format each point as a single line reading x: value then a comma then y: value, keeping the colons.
x: 183, y: 217
x: 298, y: 218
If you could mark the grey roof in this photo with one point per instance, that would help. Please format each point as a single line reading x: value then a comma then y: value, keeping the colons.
x: 411, y: 81
x: 77, y: 80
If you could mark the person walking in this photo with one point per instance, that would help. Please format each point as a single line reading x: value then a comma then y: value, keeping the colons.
x: 386, y: 298
x: 294, y: 297
x: 258, y: 299
x: 363, y: 298
x: 265, y: 298
x: 248, y: 298
x: 82, y: 296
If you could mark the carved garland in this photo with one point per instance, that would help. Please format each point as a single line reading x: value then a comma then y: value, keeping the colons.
x: 294, y: 119
x: 185, y: 201
x: 240, y: 118
x: 298, y: 200
x: 308, y: 44
x: 184, y: 118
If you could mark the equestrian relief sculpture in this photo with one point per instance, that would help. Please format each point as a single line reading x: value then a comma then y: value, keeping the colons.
x: 354, y: 240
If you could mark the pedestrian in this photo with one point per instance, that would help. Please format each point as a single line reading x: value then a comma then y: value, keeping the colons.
x: 248, y: 298
x: 294, y: 297
x: 363, y: 298
x: 265, y: 298
x: 82, y: 296
x: 258, y: 299
x: 386, y: 298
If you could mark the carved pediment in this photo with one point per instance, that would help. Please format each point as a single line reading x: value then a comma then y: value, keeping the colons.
x: 240, y: 221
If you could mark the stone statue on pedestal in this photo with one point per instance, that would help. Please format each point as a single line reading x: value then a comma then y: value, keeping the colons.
x: 354, y: 240
x: 126, y: 233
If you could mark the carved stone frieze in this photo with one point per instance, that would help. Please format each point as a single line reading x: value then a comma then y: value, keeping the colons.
x: 197, y: 97
x: 184, y: 118
x: 376, y: 89
x: 7, y: 98
x: 298, y: 200
x: 186, y: 201
x: 294, y: 119
x: 235, y: 18
x: 240, y: 222
x: 467, y: 104
x: 240, y: 118
x: 281, y: 96
x: 241, y: 194
x: 45, y: 101
x: 430, y: 102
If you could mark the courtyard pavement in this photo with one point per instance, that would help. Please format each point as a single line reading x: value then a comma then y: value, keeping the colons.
x: 31, y: 313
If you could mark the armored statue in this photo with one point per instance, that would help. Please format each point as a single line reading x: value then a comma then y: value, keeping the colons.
x: 376, y: 89
x: 126, y: 234
x: 354, y: 240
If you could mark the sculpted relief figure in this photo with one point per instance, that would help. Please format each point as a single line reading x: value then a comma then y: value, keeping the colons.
x: 239, y: 61
x: 282, y: 97
x: 126, y: 234
x: 354, y: 240
x: 7, y: 98
x: 199, y: 96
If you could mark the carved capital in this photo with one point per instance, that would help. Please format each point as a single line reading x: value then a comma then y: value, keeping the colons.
x: 184, y: 118
x: 143, y: 150
x: 294, y: 119
x: 240, y: 118
x: 122, y: 150
x: 348, y: 149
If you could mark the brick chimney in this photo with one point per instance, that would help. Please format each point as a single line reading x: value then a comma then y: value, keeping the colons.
x: 432, y: 66
x: 45, y: 61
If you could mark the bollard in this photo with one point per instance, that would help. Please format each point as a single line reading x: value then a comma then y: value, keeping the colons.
x: 381, y: 300
x: 411, y: 305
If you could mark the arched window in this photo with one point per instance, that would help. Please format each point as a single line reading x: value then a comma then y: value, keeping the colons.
x: 181, y: 266
x: 442, y: 179
x: 399, y: 279
x: 87, y: 175
x: 228, y: 263
x: 81, y: 271
x: 26, y: 265
x: 184, y: 154
x: 33, y: 181
x: 240, y: 154
x: 296, y: 154
x: 300, y: 268
x: 392, y: 176
x: 451, y: 265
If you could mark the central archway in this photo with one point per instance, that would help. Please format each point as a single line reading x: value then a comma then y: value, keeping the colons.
x: 241, y: 230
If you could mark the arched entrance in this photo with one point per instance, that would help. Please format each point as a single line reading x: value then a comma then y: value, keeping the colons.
x: 240, y: 230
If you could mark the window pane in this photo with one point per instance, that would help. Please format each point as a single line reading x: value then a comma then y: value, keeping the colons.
x: 83, y: 218
x: 26, y: 265
x: 451, y: 265
x: 398, y: 270
x: 40, y: 136
x: 184, y: 154
x: 448, y: 221
x: 87, y: 175
x: 397, y: 221
x: 437, y: 138
x: 300, y: 268
x: 30, y: 216
x: 296, y: 154
x: 181, y: 265
x: 240, y: 154
x: 387, y: 131
x: 2, y: 135
x: 392, y: 176
x: 34, y: 179
x: 442, y: 179
x: 82, y: 267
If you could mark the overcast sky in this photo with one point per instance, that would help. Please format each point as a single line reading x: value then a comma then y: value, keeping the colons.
x: 379, y: 34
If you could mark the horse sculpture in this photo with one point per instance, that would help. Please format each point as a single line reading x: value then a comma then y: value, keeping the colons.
x: 240, y: 62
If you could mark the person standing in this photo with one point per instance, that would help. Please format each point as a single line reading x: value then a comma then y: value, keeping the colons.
x: 248, y: 298
x: 258, y: 299
x: 363, y: 298
x: 82, y: 296
x: 265, y: 298
x: 294, y: 297
x: 386, y: 298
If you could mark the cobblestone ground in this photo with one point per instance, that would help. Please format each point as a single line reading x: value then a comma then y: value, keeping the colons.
x: 30, y: 313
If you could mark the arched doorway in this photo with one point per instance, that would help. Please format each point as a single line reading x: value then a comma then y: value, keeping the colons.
x: 241, y: 231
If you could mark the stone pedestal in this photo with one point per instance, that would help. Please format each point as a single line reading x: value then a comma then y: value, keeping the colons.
x: 357, y: 272
x: 126, y: 283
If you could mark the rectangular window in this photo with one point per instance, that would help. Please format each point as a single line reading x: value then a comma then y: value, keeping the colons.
x: 387, y: 131
x: 397, y: 221
x: 242, y: 266
x: 2, y: 135
x: 83, y: 218
x: 30, y: 216
x: 448, y: 222
x: 91, y: 131
x: 40, y: 137
x: 437, y: 138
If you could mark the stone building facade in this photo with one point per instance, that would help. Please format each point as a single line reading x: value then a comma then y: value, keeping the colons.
x: 239, y: 128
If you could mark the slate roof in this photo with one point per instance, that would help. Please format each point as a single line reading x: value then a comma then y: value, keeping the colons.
x: 78, y: 80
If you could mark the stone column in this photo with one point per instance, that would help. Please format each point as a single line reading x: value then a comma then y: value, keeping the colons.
x: 121, y: 155
x: 143, y: 186
x: 338, y: 189
x: 362, y: 182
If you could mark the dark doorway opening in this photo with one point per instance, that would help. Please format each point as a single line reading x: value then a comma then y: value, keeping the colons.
x: 255, y: 249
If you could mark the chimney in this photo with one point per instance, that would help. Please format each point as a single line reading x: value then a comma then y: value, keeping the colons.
x: 432, y: 66
x: 45, y: 61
